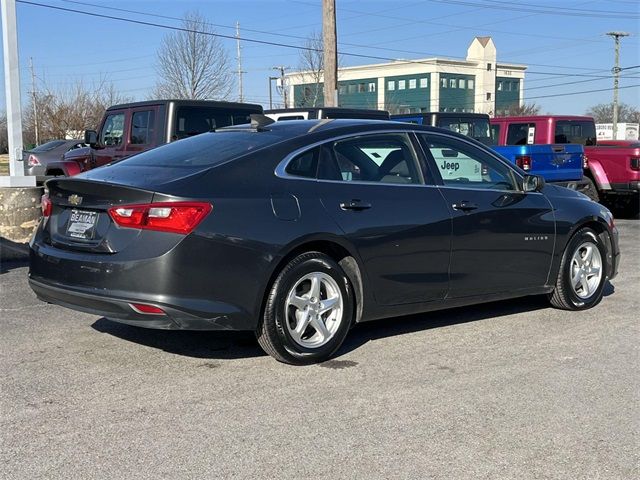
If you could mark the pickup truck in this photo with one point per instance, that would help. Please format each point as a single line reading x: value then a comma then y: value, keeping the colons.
x: 612, y: 168
x: 132, y: 128
x: 558, y: 164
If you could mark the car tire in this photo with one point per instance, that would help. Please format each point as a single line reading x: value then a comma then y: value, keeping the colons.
x: 590, y: 190
x: 578, y: 286
x: 298, y: 326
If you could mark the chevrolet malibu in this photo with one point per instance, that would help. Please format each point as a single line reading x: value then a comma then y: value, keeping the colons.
x: 298, y: 230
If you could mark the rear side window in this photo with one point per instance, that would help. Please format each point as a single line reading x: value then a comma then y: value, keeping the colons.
x: 112, y: 130
x: 381, y: 158
x: 204, y: 150
x: 579, y: 132
x: 192, y: 120
x: 142, y: 127
x: 304, y: 165
x: 517, y: 133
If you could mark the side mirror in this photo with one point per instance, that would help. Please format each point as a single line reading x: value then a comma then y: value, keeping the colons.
x: 91, y: 138
x: 532, y: 183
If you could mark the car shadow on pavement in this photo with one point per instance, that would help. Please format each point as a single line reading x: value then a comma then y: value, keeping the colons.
x: 8, y: 265
x: 197, y: 344
x: 230, y: 345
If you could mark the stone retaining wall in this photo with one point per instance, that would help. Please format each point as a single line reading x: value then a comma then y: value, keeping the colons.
x: 19, y: 216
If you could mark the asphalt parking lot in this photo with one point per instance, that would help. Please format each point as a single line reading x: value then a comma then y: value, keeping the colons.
x: 506, y: 390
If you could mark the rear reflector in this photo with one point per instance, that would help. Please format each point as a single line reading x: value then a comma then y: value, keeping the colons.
x: 175, y: 217
x: 524, y: 162
x: 146, y: 309
x: 46, y: 205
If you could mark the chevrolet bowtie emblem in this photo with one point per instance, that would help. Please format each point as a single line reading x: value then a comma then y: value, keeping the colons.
x: 75, y: 199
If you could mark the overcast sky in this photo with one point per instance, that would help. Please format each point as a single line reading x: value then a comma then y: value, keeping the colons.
x: 561, y: 41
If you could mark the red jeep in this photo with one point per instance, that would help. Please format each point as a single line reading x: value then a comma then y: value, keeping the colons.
x: 135, y: 127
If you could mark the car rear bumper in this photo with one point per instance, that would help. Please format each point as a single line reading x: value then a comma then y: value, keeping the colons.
x: 180, y: 313
x: 629, y: 187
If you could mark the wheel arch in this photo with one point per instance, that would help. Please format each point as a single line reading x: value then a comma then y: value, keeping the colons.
x: 335, y: 248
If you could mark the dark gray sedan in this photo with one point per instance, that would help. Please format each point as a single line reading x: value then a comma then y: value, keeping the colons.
x: 36, y: 159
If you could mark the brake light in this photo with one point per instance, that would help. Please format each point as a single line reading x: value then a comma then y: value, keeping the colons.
x: 46, y: 205
x: 524, y: 162
x: 635, y: 163
x: 33, y: 161
x: 176, y: 217
x: 146, y: 309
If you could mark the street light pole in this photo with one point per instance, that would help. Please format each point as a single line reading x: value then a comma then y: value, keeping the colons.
x: 616, y: 78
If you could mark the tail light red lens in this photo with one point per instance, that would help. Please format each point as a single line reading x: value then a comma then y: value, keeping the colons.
x: 635, y: 163
x: 175, y: 217
x: 46, y: 205
x: 524, y: 162
x: 33, y: 161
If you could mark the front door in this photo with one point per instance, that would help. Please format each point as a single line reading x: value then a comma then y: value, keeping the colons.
x: 372, y: 186
x: 143, y: 130
x: 503, y: 238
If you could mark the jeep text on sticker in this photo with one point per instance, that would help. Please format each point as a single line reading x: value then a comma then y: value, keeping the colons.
x: 454, y: 166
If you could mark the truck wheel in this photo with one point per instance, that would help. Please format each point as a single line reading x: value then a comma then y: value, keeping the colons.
x: 590, y: 190
x: 308, y: 312
x: 582, y: 274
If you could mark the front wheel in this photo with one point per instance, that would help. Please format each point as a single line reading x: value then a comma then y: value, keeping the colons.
x: 582, y: 274
x: 308, y: 311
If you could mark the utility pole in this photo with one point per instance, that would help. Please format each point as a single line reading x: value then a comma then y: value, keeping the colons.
x: 270, y: 94
x: 240, y: 72
x: 616, y: 78
x: 330, y: 52
x: 285, y: 95
x: 34, y: 99
x: 17, y: 177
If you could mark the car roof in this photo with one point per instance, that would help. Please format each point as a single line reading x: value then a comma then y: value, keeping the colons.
x: 196, y: 103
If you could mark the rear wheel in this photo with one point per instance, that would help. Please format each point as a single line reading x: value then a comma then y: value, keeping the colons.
x: 308, y: 311
x: 582, y: 274
x: 590, y: 190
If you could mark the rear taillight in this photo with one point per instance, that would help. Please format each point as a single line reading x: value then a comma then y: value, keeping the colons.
x: 46, y: 205
x: 635, y: 163
x: 33, y: 161
x: 524, y: 162
x: 176, y: 217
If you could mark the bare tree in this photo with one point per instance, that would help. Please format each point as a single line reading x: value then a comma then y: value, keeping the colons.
x: 516, y: 110
x: 68, y: 111
x: 603, y: 113
x: 192, y: 63
x: 311, y: 62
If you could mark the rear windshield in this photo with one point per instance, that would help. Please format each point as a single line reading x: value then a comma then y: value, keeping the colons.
x: 45, y: 147
x: 208, y: 149
x: 191, y: 120
x: 574, y: 131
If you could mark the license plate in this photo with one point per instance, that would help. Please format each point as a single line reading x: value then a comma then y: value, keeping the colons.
x: 82, y: 224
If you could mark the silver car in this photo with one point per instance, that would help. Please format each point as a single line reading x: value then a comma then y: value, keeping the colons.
x: 37, y: 159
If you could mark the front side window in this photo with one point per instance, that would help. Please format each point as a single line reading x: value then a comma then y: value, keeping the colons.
x: 463, y: 165
x: 378, y: 158
x: 112, y: 130
x: 142, y: 127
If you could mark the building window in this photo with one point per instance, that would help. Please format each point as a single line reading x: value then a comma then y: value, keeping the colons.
x: 443, y: 82
x: 461, y: 83
x: 391, y: 85
x: 362, y: 87
x: 516, y: 86
x: 500, y: 86
x: 342, y: 89
x: 489, y: 67
x: 371, y: 87
x: 452, y: 82
x: 412, y: 83
x: 488, y: 95
x: 351, y: 88
x: 423, y: 83
x: 470, y: 84
x: 401, y: 84
x: 507, y: 86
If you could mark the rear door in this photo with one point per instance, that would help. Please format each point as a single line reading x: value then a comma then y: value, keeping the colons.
x: 372, y: 186
x: 503, y: 238
x: 112, y: 138
x: 143, y: 133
